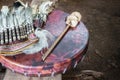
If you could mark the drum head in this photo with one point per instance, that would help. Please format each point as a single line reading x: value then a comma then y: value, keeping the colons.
x: 67, y: 54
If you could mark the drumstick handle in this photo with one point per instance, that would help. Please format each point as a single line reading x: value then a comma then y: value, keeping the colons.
x: 72, y: 21
x: 55, y: 43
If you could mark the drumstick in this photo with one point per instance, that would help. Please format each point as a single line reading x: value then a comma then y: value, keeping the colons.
x: 72, y: 21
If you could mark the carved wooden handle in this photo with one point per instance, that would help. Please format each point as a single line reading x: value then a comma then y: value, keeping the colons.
x: 72, y: 21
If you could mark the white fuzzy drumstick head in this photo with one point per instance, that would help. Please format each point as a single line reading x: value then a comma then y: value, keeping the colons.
x: 73, y: 19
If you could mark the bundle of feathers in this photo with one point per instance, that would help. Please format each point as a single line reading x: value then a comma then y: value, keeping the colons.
x: 24, y: 14
x: 44, y: 36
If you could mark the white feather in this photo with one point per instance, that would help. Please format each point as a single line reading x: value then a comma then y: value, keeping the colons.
x: 28, y: 15
x: 44, y: 9
x: 1, y: 27
x: 43, y: 36
x: 4, y: 14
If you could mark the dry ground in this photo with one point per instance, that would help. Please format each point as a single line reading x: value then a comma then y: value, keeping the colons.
x: 102, y: 18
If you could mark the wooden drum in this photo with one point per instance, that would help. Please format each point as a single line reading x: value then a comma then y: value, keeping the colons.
x: 67, y: 54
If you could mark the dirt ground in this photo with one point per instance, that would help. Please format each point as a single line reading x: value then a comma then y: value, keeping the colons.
x: 102, y: 18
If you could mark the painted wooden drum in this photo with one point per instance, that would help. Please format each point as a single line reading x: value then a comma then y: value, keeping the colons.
x: 66, y: 54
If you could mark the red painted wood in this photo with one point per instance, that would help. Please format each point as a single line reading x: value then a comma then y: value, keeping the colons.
x: 69, y: 51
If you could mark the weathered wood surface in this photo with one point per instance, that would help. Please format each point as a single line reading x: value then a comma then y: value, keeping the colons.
x: 16, y: 76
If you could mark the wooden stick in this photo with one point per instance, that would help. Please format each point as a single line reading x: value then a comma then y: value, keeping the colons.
x: 72, y: 21
x: 55, y: 43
